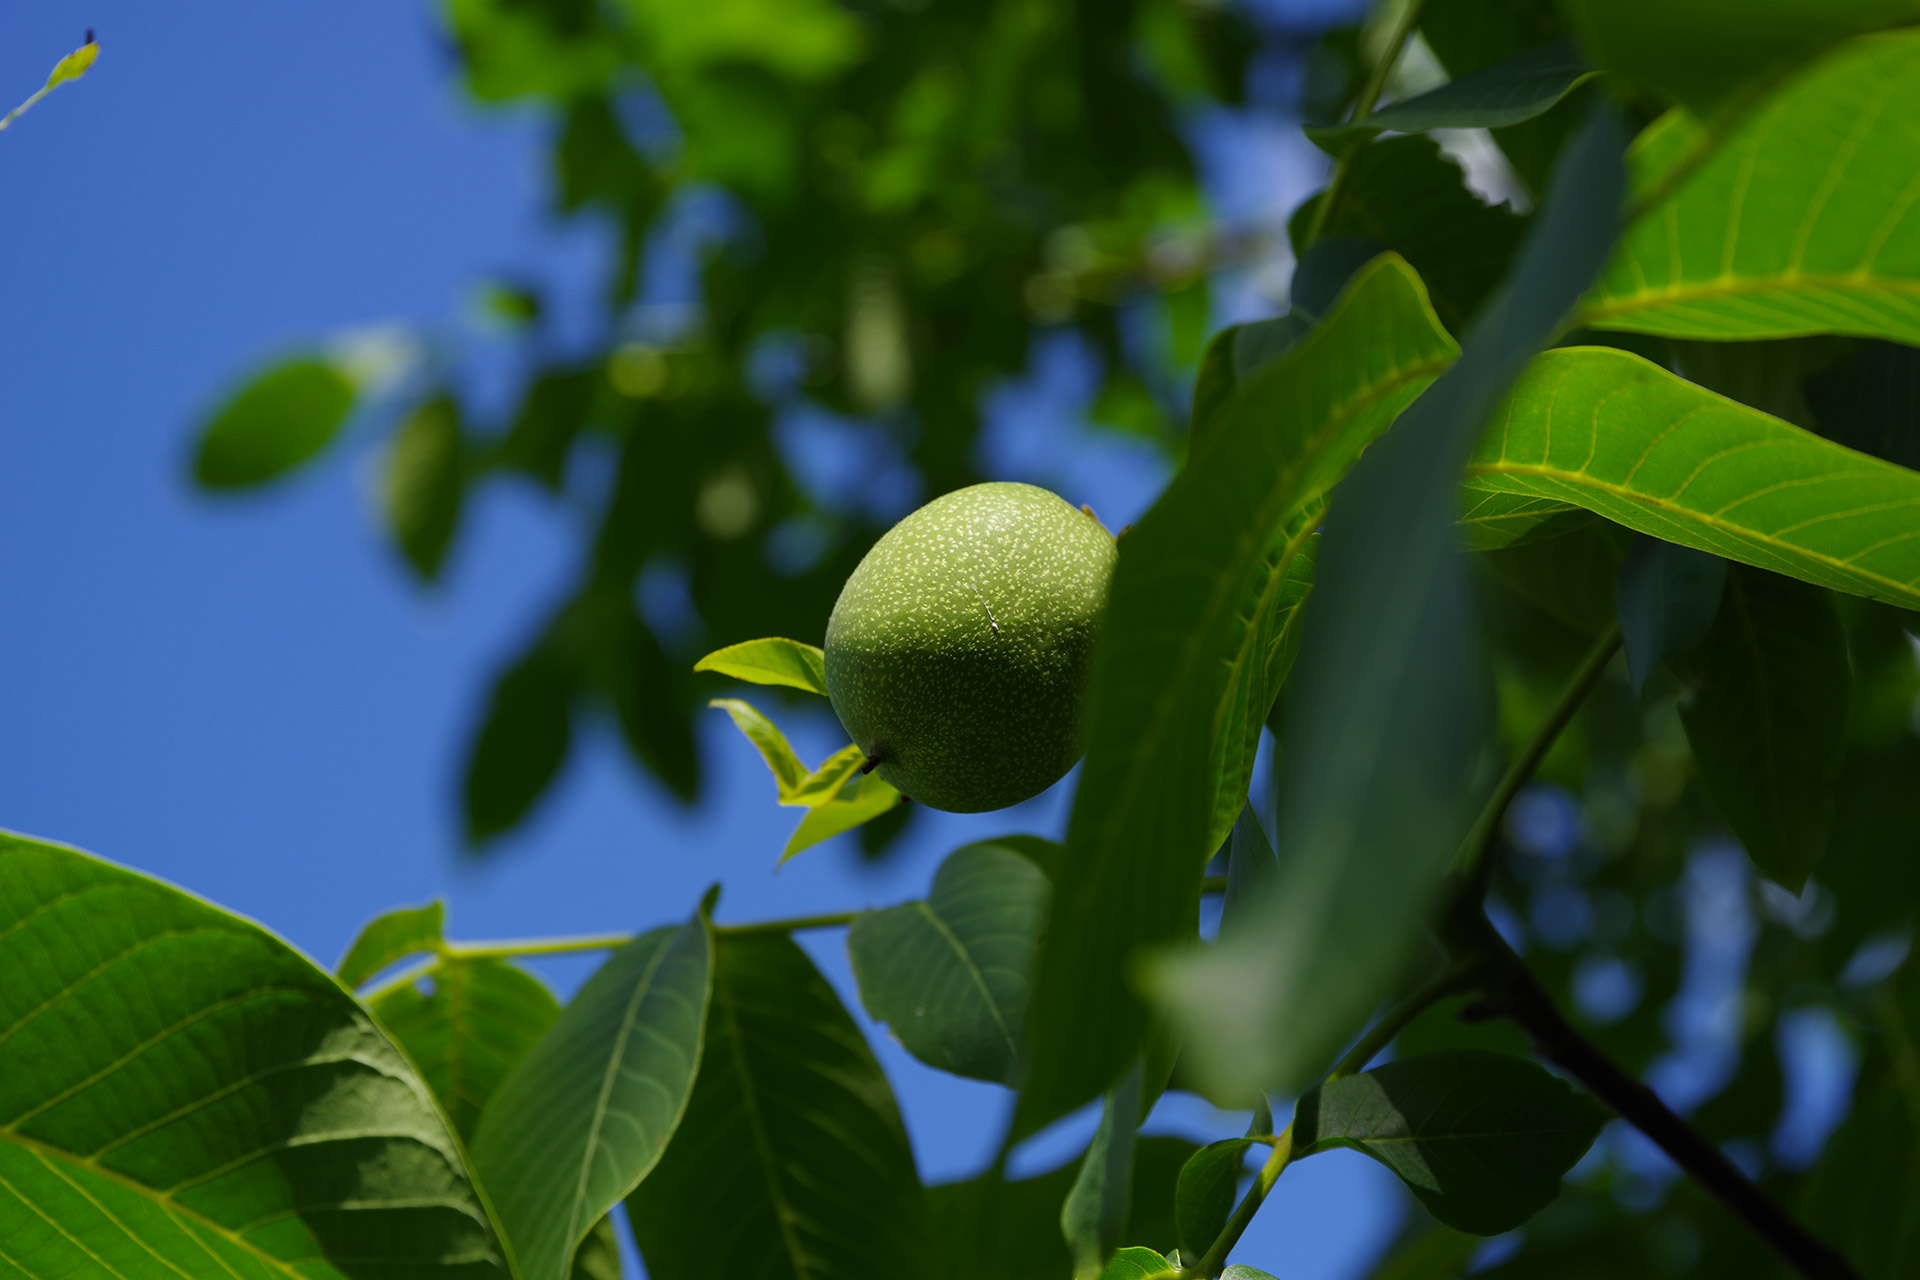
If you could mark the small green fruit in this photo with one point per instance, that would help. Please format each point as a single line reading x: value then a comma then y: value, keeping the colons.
x: 957, y: 654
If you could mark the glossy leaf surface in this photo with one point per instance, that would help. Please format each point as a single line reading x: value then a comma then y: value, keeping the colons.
x: 772, y: 661
x: 792, y: 1140
x: 1601, y: 429
x: 586, y: 1114
x: 951, y: 975
x: 181, y: 1093
x: 280, y: 419
x: 1145, y: 807
x: 1481, y: 1138
x: 1802, y: 220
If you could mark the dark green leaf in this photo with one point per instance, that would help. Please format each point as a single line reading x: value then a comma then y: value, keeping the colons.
x: 1094, y: 1217
x: 1800, y: 221
x: 1871, y: 402
x: 1864, y: 1195
x: 1469, y: 35
x: 1597, y: 428
x: 1567, y: 566
x: 1766, y: 375
x: 1137, y: 842
x: 585, y: 1115
x: 390, y: 937
x: 951, y: 974
x: 1409, y: 195
x: 1481, y: 1138
x: 480, y: 1019
x: 521, y: 744
x: 792, y: 1142
x: 1507, y: 92
x: 281, y: 418
x: 772, y: 661
x: 426, y: 483
x: 1390, y: 686
x: 1768, y: 719
x: 1668, y: 598
x: 1209, y: 1185
x: 1251, y: 871
x: 183, y: 1094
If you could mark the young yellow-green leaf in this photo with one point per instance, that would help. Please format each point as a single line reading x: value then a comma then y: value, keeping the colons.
x: 837, y: 796
x: 1768, y: 718
x: 479, y: 1019
x: 1145, y: 808
x: 859, y: 801
x: 280, y: 419
x: 1803, y: 220
x: 1138, y: 1264
x: 1598, y: 428
x: 1505, y: 93
x: 1481, y: 1138
x: 585, y: 1115
x: 771, y: 661
x: 951, y: 974
x: 792, y: 1162
x: 425, y: 484
x: 392, y: 936
x: 183, y: 1094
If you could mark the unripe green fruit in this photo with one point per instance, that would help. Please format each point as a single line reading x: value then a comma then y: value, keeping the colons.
x: 957, y: 654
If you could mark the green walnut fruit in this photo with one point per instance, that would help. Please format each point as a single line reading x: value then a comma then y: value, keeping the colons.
x: 957, y: 654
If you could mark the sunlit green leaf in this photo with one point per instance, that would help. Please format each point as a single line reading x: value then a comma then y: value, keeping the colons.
x: 1803, y: 220
x: 425, y: 484
x: 1481, y: 1138
x: 837, y: 796
x: 281, y: 418
x: 792, y: 1142
x: 1505, y: 93
x: 1390, y: 685
x: 771, y: 661
x: 1768, y: 718
x: 393, y: 936
x: 184, y: 1095
x: 951, y: 974
x: 584, y: 1116
x: 1601, y: 429
x: 789, y: 775
x: 1668, y: 598
x: 860, y: 800
x: 1142, y: 816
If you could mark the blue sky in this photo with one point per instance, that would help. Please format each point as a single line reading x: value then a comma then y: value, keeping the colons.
x: 249, y: 697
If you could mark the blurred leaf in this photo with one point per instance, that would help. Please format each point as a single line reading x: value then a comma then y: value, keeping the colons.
x: 479, y: 1021
x: 771, y: 661
x: 187, y: 1095
x: 1209, y: 1185
x: 1251, y: 870
x: 516, y: 49
x: 1703, y: 52
x: 599, y: 1255
x: 1766, y: 375
x: 803, y: 39
x: 1507, y: 92
x: 1481, y: 1138
x: 552, y: 414
x: 1137, y: 842
x: 1391, y: 685
x: 1412, y: 197
x: 1566, y: 566
x: 386, y: 938
x: 1428, y: 1251
x: 585, y: 1115
x: 1601, y: 429
x: 1768, y: 719
x: 1094, y: 1216
x: 1801, y: 220
x: 951, y: 975
x: 792, y: 1140
x: 521, y: 744
x: 1871, y: 402
x: 1864, y: 1195
x: 1668, y: 598
x: 282, y: 417
x: 425, y: 484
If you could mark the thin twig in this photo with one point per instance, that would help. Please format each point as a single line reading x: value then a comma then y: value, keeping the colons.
x: 1362, y: 108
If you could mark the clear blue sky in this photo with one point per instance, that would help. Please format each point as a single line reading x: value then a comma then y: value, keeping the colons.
x: 249, y: 698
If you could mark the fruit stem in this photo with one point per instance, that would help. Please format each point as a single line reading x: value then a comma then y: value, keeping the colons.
x: 872, y: 763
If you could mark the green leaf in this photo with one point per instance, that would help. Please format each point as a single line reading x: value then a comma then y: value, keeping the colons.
x: 585, y: 1115
x: 772, y: 661
x: 1601, y: 429
x: 1409, y: 195
x: 804, y: 40
x: 521, y: 745
x: 1704, y: 52
x: 281, y: 418
x: 393, y: 936
x: 1138, y: 1264
x: 1768, y: 718
x: 1668, y: 598
x: 1244, y: 1273
x: 425, y: 484
x: 1871, y: 402
x: 1390, y: 685
x: 1094, y: 1216
x: 1470, y: 35
x: 860, y: 801
x: 480, y: 1018
x: 1518, y: 88
x: 1567, y: 566
x: 789, y: 775
x: 599, y: 1256
x: 1138, y: 837
x: 182, y: 1093
x: 951, y: 975
x: 1481, y: 1138
x: 837, y: 796
x: 1209, y: 1184
x: 1801, y: 221
x: 1251, y: 870
x: 792, y: 1161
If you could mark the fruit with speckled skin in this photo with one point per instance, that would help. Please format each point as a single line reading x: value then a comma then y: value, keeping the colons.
x: 957, y: 653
